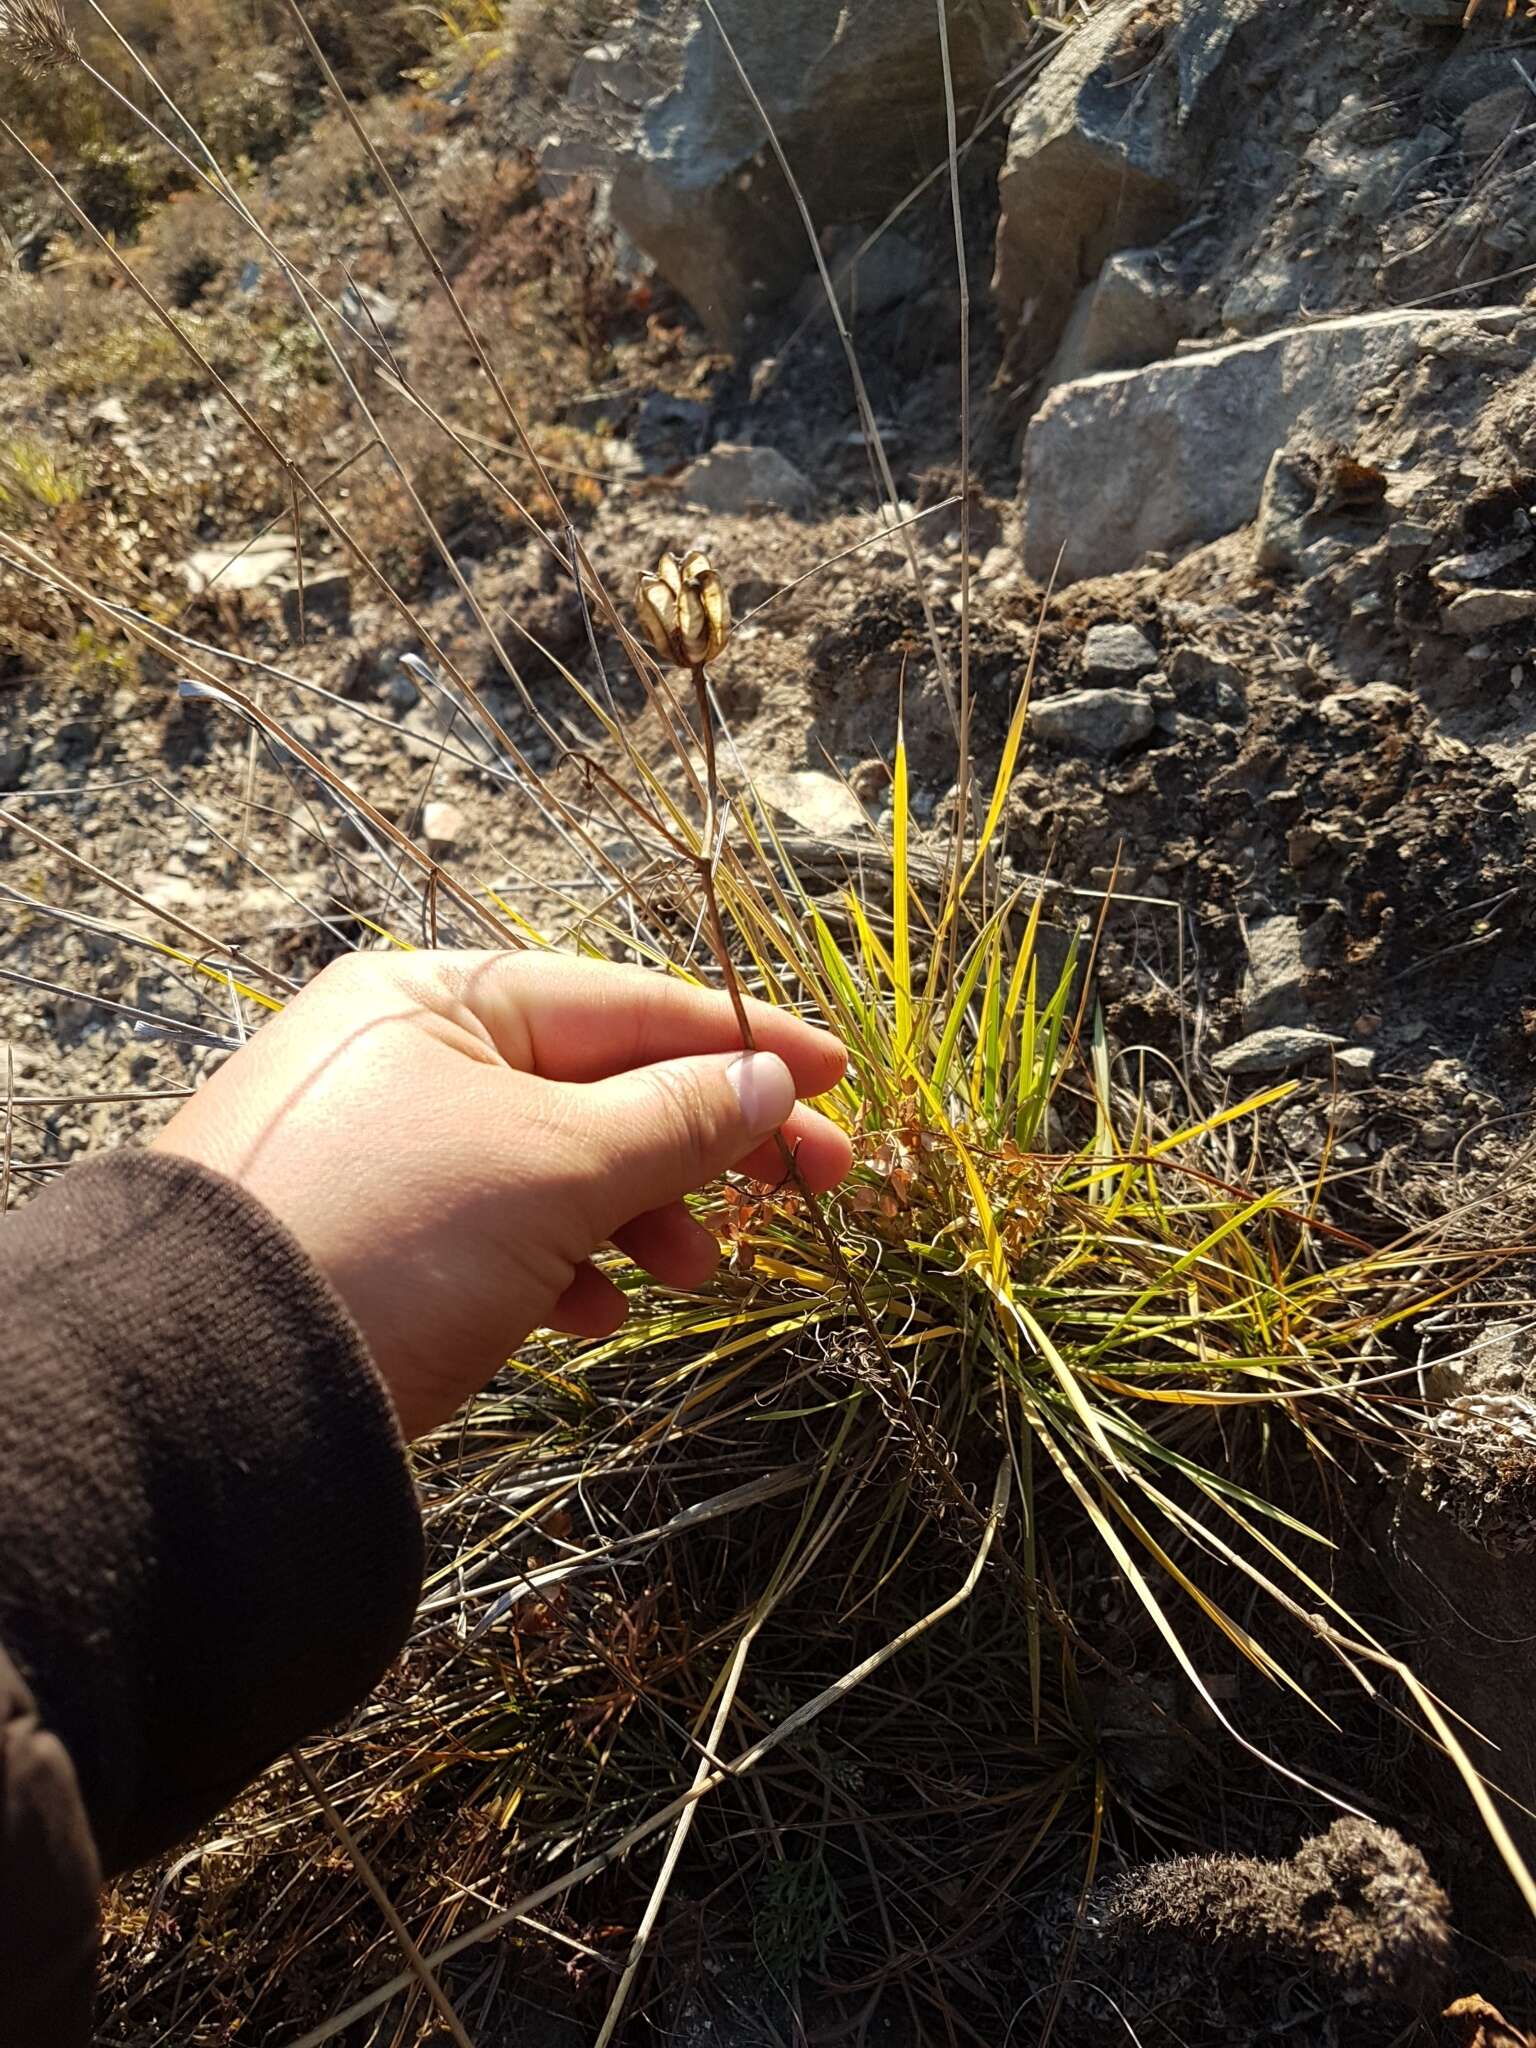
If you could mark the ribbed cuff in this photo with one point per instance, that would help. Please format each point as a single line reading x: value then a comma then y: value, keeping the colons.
x: 209, y: 1540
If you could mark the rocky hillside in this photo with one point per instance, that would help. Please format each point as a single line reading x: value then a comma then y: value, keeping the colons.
x: 1252, y: 381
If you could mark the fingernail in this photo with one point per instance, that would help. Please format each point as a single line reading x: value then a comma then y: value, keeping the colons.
x: 765, y: 1088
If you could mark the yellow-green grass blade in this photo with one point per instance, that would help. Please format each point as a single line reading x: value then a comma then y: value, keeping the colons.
x: 959, y: 1003
x: 218, y: 974
x: 901, y: 970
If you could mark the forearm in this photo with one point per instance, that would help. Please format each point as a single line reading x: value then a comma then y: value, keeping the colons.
x: 209, y: 1542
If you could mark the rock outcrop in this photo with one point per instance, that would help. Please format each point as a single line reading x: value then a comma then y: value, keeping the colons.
x: 855, y: 97
x: 1128, y: 463
x: 1104, y: 155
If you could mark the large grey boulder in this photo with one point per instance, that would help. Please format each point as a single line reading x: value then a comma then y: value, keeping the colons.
x: 1104, y: 154
x: 854, y: 91
x: 1130, y: 462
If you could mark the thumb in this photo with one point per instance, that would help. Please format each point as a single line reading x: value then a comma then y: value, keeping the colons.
x: 660, y: 1132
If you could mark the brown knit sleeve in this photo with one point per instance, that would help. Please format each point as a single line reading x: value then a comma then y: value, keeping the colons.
x: 49, y: 1878
x: 209, y: 1540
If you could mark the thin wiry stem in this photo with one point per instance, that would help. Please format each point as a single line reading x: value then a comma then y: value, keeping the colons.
x: 421, y: 1968
x: 286, y: 464
x: 738, y: 1767
x: 869, y: 425
x: 499, y: 935
x: 853, y: 1287
x: 962, y: 273
x: 483, y: 355
x: 177, y: 923
x: 10, y: 1131
x: 171, y: 1027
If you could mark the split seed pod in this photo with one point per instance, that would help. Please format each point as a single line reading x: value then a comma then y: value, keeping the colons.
x: 684, y: 610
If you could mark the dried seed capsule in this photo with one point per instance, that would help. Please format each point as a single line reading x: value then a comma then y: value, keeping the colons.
x: 684, y: 611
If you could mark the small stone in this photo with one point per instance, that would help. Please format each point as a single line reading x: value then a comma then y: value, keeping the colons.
x: 1487, y: 122
x: 1407, y: 537
x: 736, y: 478
x: 172, y: 892
x: 1483, y: 611
x: 1448, y: 1074
x: 1278, y: 1049
x: 1094, y: 721
x: 591, y: 412
x: 1000, y: 566
x: 442, y: 827
x: 1272, y: 983
x: 1270, y: 291
x: 1355, y: 1064
x: 870, y: 780
x: 370, y: 312
x: 815, y: 801
x: 1134, y: 311
x: 239, y: 565
x: 1483, y: 563
x: 1285, y: 504
x: 669, y: 431
x: 1117, y: 653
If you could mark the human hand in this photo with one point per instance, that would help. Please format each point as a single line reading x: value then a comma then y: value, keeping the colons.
x: 450, y: 1136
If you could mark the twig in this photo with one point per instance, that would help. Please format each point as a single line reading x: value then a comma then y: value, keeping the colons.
x: 675, y: 1847
x: 72, y: 1101
x: 10, y: 1132
x: 178, y: 1027
x: 365, y: 1870
x: 883, y: 532
x: 298, y: 558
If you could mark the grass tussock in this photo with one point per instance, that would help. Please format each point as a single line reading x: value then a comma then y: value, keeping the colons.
x: 789, y: 1639
x: 882, y: 1539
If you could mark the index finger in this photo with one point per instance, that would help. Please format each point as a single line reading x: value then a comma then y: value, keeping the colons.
x: 584, y: 1020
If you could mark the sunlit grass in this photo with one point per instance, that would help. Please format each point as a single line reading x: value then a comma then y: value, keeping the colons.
x: 33, y: 479
x: 823, y: 1554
